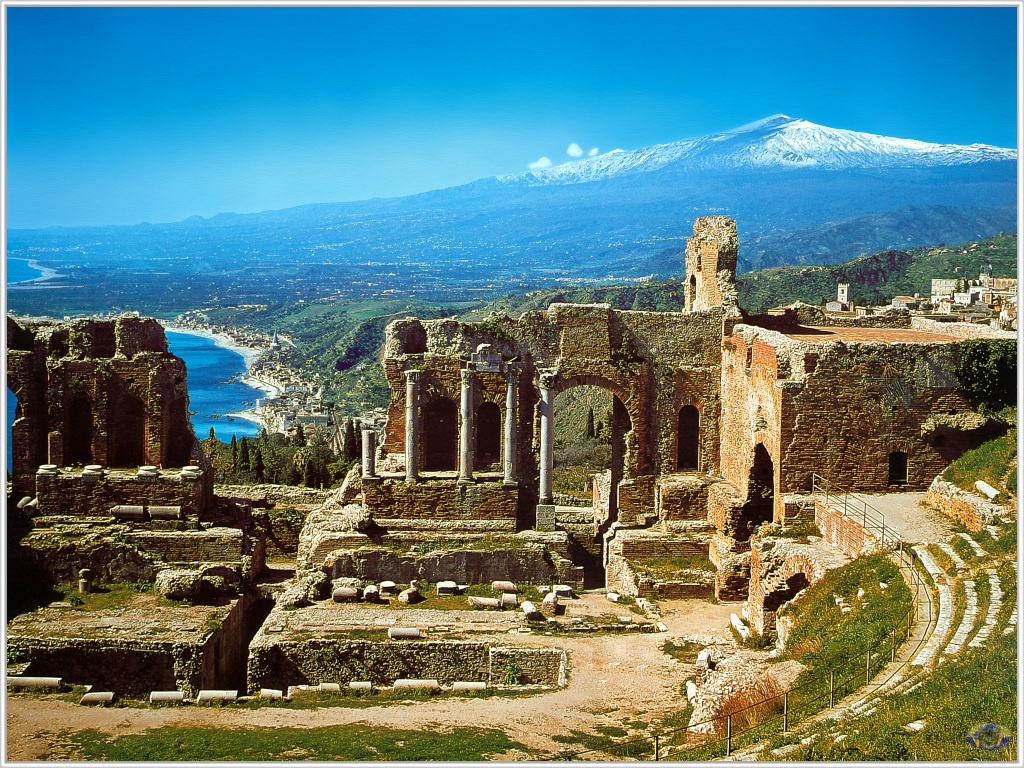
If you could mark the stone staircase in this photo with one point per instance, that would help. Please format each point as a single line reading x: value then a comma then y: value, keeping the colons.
x: 931, y: 644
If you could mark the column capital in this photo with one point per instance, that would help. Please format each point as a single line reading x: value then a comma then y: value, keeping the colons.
x: 412, y: 375
x: 511, y: 373
x: 466, y: 374
x: 548, y: 379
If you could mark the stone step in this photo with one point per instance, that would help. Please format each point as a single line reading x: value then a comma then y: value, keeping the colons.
x: 967, y: 621
x: 995, y: 603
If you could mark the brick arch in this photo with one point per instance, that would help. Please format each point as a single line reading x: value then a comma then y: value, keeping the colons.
x: 562, y: 383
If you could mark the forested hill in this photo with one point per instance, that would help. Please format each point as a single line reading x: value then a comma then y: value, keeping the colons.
x: 874, y: 280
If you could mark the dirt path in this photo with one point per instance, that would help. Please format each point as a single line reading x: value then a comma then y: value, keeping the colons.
x: 612, y: 678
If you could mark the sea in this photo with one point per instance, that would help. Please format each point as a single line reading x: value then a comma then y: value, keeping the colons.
x: 214, y: 389
x: 18, y: 271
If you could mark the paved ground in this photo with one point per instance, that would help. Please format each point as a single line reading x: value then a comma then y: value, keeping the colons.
x: 907, y: 513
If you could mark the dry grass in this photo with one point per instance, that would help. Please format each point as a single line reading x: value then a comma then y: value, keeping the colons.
x: 751, y: 706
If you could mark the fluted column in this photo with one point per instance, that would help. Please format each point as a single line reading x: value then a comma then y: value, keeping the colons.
x: 466, y: 427
x: 547, y: 436
x: 412, y: 425
x: 511, y: 424
x: 369, y: 451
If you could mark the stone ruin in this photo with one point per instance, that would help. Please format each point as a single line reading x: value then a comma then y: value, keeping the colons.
x: 719, y: 423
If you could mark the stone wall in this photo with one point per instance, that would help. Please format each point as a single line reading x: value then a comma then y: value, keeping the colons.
x: 779, y: 570
x: 281, y: 663
x: 527, y: 564
x: 130, y: 666
x: 960, y: 330
x: 71, y: 493
x: 212, y: 545
x: 970, y: 509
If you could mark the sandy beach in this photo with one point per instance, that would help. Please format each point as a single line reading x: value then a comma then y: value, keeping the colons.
x: 48, y: 274
x: 248, y: 354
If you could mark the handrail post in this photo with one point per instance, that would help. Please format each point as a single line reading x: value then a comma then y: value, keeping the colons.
x: 785, y: 712
x: 656, y: 749
x: 831, y: 689
x: 893, y: 644
x: 728, y: 735
x: 867, y: 666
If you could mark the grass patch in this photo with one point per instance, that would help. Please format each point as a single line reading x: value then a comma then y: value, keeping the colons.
x: 340, y: 742
x: 685, y: 653
x: 944, y: 561
x: 990, y: 462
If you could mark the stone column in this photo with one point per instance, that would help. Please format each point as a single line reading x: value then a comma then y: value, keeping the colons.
x: 547, y: 435
x: 412, y: 423
x: 511, y: 424
x: 369, y: 451
x: 466, y: 427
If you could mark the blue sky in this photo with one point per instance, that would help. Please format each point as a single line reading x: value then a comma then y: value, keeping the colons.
x: 123, y: 115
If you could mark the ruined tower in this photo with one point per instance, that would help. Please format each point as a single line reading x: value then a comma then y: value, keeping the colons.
x: 711, y: 264
x: 96, y: 392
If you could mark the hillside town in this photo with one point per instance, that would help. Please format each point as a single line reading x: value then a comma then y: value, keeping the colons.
x: 292, y: 398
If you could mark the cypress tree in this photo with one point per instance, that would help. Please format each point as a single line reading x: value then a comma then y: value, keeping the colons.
x: 590, y: 422
x: 300, y: 436
x: 351, y: 447
x: 243, y: 461
x: 234, y: 452
x: 257, y: 465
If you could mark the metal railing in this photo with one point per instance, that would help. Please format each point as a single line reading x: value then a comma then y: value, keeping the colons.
x: 855, y: 507
x: 855, y: 670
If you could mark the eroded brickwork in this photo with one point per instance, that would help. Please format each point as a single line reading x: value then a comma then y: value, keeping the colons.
x: 96, y: 392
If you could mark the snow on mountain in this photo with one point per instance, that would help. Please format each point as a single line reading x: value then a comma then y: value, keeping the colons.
x: 778, y: 141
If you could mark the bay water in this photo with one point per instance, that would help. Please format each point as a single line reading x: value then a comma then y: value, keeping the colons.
x: 18, y: 271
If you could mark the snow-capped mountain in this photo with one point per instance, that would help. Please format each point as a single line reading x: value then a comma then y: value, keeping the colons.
x: 778, y: 142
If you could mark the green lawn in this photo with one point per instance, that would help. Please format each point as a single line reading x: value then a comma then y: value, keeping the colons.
x: 343, y: 742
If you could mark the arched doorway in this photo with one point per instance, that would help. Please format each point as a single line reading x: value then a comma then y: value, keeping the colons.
x: 688, y: 438
x: 488, y: 436
x: 78, y: 432
x: 760, y: 505
x: 129, y: 433
x: 439, y: 430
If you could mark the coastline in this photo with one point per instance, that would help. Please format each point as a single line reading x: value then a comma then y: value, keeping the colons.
x: 48, y: 273
x: 249, y: 356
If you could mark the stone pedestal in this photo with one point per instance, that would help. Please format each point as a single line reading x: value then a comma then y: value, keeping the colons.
x: 545, y: 517
x: 369, y: 451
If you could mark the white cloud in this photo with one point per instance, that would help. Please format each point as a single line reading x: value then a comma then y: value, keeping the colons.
x: 592, y: 153
x: 540, y: 165
x: 575, y: 150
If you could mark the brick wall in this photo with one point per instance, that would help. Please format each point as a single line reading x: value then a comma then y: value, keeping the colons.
x: 211, y: 545
x: 843, y: 532
x: 441, y: 500
x: 67, y: 493
x: 78, y: 386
